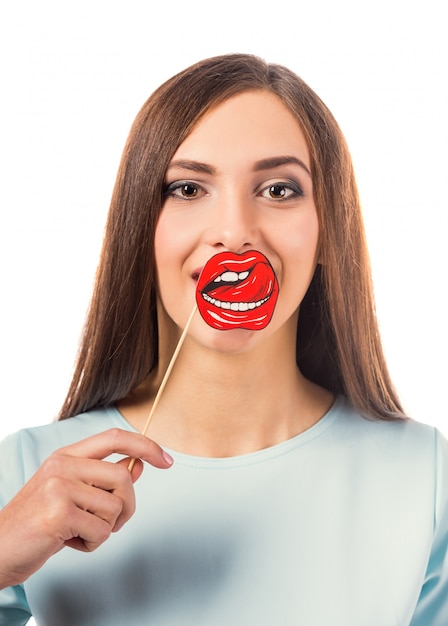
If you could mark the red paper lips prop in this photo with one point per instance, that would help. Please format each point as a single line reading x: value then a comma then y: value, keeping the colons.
x: 237, y: 291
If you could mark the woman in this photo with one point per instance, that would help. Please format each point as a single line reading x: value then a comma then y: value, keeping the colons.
x: 299, y: 492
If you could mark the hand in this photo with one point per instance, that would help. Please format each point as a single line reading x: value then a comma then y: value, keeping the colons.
x: 75, y: 499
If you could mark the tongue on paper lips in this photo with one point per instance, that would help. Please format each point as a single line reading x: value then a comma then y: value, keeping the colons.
x: 237, y: 291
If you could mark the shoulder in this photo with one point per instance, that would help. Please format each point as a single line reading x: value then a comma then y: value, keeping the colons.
x: 412, y: 451
x: 395, y: 474
x: 24, y: 451
x: 403, y: 469
x: 47, y: 438
x: 402, y: 436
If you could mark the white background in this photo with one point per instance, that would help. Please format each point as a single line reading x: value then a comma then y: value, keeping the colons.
x: 73, y: 76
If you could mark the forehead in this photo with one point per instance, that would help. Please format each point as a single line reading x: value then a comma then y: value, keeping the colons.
x: 252, y: 125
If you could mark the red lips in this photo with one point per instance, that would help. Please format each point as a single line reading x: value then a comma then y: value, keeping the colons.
x: 237, y: 291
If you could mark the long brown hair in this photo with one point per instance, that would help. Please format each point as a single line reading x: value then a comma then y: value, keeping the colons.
x: 338, y: 343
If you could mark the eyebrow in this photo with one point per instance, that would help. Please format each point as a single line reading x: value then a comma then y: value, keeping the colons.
x: 193, y: 166
x: 273, y: 162
x: 263, y: 164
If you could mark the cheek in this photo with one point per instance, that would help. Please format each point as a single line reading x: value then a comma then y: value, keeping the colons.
x: 165, y: 257
x: 173, y: 243
x: 299, y: 243
x: 299, y: 257
x: 168, y: 244
x: 176, y: 233
x: 161, y: 244
x: 308, y: 240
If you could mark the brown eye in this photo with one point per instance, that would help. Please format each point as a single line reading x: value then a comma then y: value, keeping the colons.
x: 278, y: 192
x: 188, y: 190
x: 282, y: 191
x: 183, y: 190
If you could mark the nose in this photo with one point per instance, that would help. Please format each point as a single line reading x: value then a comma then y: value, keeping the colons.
x: 233, y: 224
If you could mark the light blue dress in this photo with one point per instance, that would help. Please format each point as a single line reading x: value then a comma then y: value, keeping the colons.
x: 345, y: 524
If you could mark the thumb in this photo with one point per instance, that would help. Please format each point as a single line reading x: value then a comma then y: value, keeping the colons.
x: 135, y: 465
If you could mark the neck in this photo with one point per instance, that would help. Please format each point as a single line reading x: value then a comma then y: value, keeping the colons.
x: 218, y: 404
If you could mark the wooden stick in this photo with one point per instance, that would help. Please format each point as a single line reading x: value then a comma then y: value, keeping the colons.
x: 165, y: 378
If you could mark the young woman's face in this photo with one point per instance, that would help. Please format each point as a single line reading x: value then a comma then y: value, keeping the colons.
x: 240, y: 181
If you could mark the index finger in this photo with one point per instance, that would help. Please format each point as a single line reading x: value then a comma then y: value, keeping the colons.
x: 118, y: 441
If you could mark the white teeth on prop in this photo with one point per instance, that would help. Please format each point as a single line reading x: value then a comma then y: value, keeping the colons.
x: 231, y: 277
x: 234, y: 306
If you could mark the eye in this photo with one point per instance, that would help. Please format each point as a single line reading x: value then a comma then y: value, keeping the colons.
x: 282, y: 191
x: 183, y: 189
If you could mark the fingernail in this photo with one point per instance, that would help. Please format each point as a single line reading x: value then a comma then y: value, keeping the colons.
x: 168, y: 458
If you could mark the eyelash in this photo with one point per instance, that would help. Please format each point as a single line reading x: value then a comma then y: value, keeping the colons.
x: 177, y: 186
x: 293, y: 187
x: 171, y: 188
